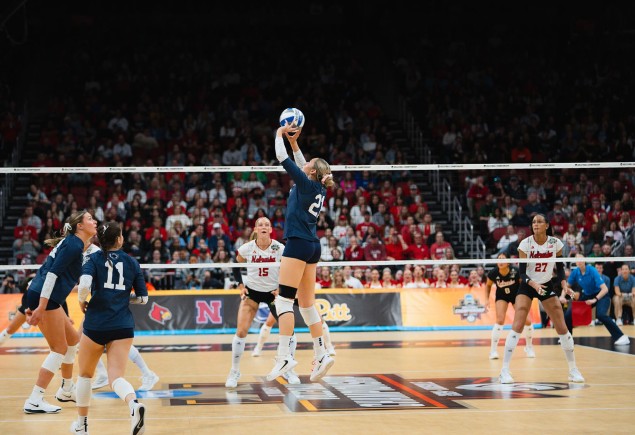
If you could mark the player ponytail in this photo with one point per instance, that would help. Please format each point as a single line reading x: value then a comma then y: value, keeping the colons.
x: 70, y: 227
x: 323, y: 173
x: 108, y: 235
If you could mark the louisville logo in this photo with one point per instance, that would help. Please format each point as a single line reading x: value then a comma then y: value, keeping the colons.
x: 159, y: 313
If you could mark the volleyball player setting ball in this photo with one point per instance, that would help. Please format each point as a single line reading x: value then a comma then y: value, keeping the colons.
x: 302, y: 251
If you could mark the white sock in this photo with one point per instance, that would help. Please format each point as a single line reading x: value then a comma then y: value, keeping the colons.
x: 496, y: 335
x: 326, y: 334
x: 100, y: 370
x: 131, y: 404
x: 83, y: 421
x: 566, y: 342
x: 284, y: 342
x: 4, y: 334
x: 136, y: 358
x: 529, y: 333
x: 263, y: 335
x: 319, y: 347
x: 510, y: 344
x: 36, y: 394
x: 238, y: 347
x: 67, y: 384
x: 293, y: 344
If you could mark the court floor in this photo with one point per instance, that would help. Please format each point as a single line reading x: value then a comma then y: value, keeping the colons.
x: 382, y: 382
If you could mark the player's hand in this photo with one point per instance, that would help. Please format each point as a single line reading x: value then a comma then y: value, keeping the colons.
x: 540, y: 288
x: 293, y: 138
x: 83, y: 306
x: 288, y: 128
x: 588, y: 302
x: 34, y: 317
x: 243, y: 292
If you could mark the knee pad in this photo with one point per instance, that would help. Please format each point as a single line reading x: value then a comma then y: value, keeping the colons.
x: 83, y: 391
x: 122, y: 388
x: 69, y: 358
x: 310, y: 315
x: 283, y: 305
x: 53, y: 362
x: 288, y: 292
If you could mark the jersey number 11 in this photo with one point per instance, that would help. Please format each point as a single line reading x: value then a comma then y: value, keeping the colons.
x: 109, y: 283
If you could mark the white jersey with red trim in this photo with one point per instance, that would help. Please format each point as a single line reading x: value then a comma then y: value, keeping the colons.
x: 262, y: 279
x: 536, y: 271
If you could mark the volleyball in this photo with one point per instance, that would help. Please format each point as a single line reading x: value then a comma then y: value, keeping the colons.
x: 292, y: 116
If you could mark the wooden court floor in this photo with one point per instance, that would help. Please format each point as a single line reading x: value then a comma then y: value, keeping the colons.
x: 429, y: 382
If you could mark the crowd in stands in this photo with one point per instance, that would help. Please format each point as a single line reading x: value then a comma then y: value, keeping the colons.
x: 154, y: 106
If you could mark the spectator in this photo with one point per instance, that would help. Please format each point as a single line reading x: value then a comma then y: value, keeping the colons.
x: 349, y: 279
x: 418, y: 250
x: 24, y: 227
x: 437, y: 249
x: 507, y: 238
x: 477, y: 192
x: 374, y: 250
x: 26, y: 246
x: 624, y: 287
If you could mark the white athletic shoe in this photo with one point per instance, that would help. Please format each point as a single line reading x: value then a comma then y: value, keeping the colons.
x: 4, y: 337
x: 137, y: 419
x: 505, y: 377
x: 493, y: 355
x: 79, y: 429
x: 331, y: 350
x: 232, y: 379
x: 284, y: 363
x: 292, y: 378
x: 321, y: 366
x: 623, y: 340
x: 100, y: 381
x: 257, y: 351
x: 619, y: 322
x: 575, y: 376
x: 66, y: 396
x: 40, y: 407
x: 148, y: 382
x: 529, y: 350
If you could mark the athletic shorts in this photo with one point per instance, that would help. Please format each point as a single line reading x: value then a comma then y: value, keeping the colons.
x: 527, y: 290
x: 258, y: 297
x: 22, y: 308
x: 33, y: 301
x: 308, y: 251
x: 501, y: 295
x: 105, y: 337
x: 266, y: 297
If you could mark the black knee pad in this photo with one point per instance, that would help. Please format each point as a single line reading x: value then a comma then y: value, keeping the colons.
x: 288, y: 291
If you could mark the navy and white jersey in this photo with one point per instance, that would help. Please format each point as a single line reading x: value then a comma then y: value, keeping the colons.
x: 305, y: 202
x: 108, y: 308
x: 65, y: 261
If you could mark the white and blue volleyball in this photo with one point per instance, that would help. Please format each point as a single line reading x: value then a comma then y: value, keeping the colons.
x: 292, y: 116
